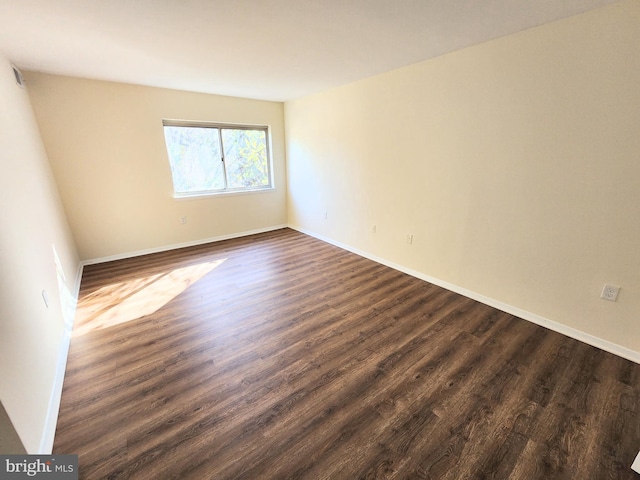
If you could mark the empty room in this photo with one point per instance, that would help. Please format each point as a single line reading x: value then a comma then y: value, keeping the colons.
x: 320, y: 240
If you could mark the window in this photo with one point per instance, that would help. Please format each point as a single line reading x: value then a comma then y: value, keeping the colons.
x: 212, y: 158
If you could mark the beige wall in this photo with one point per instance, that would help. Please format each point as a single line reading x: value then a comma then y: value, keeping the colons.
x: 32, y: 224
x: 106, y: 146
x: 515, y: 164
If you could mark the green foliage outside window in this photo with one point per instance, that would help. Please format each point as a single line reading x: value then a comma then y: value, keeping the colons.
x: 217, y: 158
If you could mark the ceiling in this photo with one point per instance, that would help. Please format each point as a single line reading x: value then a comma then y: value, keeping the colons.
x: 264, y: 49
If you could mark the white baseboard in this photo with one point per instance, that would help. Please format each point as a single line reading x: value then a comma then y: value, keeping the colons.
x: 587, y: 338
x: 46, y: 443
x: 48, y: 435
x: 193, y: 243
x: 51, y: 420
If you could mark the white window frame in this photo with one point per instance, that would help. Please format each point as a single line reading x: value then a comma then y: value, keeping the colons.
x: 223, y: 126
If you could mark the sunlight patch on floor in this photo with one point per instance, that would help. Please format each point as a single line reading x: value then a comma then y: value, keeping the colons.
x: 126, y: 301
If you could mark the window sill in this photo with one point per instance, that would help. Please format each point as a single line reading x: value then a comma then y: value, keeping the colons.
x: 196, y: 195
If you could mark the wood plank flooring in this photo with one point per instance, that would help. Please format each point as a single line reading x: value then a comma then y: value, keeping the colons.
x: 278, y: 356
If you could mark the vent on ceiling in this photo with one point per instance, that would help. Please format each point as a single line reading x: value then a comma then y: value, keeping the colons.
x: 18, y: 74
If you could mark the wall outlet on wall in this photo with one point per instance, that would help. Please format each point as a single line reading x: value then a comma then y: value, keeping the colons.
x: 409, y: 238
x: 610, y: 292
x: 183, y: 219
x: 374, y: 228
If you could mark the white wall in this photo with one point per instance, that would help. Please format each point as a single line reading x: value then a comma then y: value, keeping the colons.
x: 515, y: 164
x: 106, y: 146
x: 32, y: 224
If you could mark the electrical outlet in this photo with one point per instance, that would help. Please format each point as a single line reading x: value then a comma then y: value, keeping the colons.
x: 610, y: 292
x: 409, y: 239
x: 374, y: 228
x: 183, y: 220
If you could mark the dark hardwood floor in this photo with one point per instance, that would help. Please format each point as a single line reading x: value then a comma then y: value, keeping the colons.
x: 279, y: 356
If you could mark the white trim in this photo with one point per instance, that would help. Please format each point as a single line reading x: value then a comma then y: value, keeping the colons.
x: 51, y: 420
x: 636, y: 464
x: 46, y: 442
x: 587, y: 338
x: 193, y: 243
x: 221, y: 193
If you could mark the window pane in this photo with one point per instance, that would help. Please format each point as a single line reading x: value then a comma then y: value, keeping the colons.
x: 245, y: 153
x: 194, y: 154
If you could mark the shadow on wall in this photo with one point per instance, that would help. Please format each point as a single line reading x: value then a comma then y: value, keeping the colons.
x: 9, y: 441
